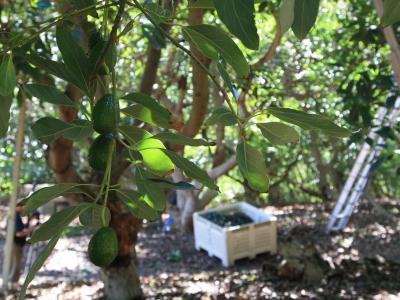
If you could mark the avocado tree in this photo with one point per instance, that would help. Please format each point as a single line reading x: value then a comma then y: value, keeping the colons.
x: 86, y: 48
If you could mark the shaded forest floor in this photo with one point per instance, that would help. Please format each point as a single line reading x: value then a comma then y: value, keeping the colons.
x: 361, y: 263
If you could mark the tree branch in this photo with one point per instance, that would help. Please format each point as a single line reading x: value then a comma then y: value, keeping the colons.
x: 223, y: 168
x: 304, y: 189
x: 272, y: 48
x: 286, y: 173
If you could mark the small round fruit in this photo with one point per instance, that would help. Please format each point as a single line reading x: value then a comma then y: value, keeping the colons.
x: 111, y: 56
x: 105, y: 114
x: 103, y: 247
x: 99, y: 151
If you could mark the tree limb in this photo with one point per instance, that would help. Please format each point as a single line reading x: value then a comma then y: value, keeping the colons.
x: 286, y: 173
x: 223, y: 168
x: 304, y: 189
x: 199, y: 82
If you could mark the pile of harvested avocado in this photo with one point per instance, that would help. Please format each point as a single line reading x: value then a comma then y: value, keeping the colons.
x: 227, y: 219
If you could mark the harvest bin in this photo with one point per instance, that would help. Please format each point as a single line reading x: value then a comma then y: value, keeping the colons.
x: 235, y: 242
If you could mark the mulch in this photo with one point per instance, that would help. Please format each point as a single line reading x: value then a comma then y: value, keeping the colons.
x: 363, y: 262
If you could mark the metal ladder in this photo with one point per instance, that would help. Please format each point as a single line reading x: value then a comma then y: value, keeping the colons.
x: 358, y: 177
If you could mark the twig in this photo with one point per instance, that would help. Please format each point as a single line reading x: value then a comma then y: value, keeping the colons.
x: 55, y: 20
x: 111, y: 39
x: 287, y: 171
x: 272, y: 48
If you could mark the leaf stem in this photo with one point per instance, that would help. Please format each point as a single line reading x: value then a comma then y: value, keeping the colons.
x: 107, y: 176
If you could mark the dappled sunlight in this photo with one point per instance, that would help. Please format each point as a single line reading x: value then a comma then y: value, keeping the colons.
x: 171, y: 267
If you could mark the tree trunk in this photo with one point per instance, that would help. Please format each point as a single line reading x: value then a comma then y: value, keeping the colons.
x: 188, y: 199
x: 121, y: 279
x: 122, y: 283
x: 323, y: 182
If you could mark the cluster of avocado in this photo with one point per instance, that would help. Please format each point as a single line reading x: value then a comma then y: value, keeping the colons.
x: 103, y: 246
x: 228, y: 219
x: 105, y: 114
x: 105, y: 117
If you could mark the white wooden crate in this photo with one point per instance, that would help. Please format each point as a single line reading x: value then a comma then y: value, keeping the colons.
x: 232, y: 243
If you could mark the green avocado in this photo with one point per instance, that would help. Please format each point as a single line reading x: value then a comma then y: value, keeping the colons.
x: 105, y: 114
x: 103, y: 247
x: 111, y: 56
x: 96, y: 48
x: 99, y: 150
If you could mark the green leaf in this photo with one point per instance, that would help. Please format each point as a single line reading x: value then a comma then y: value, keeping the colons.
x: 252, y: 166
x: 57, y: 223
x: 134, y: 134
x: 153, y: 195
x: 305, y: 15
x: 38, y: 264
x: 55, y: 68
x: 179, y: 139
x: 286, y: 15
x: 309, y: 121
x: 79, y: 130
x: 73, y: 55
x: 153, y: 156
x: 136, y: 205
x: 158, y: 14
x: 5, y: 106
x: 48, y: 129
x: 212, y: 42
x: 391, y: 12
x: 181, y: 185
x: 46, y: 194
x: 223, y: 116
x: 191, y: 170
x: 238, y: 16
x: 8, y: 79
x: 127, y: 28
x: 49, y: 94
x: 278, y: 133
x: 95, y: 217
x: 159, y: 113
x: 144, y: 114
x: 149, y: 148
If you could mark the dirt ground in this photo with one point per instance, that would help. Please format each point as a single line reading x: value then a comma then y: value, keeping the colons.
x: 361, y: 263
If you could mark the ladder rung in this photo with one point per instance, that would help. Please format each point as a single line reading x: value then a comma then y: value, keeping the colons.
x: 341, y: 216
x: 335, y: 228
